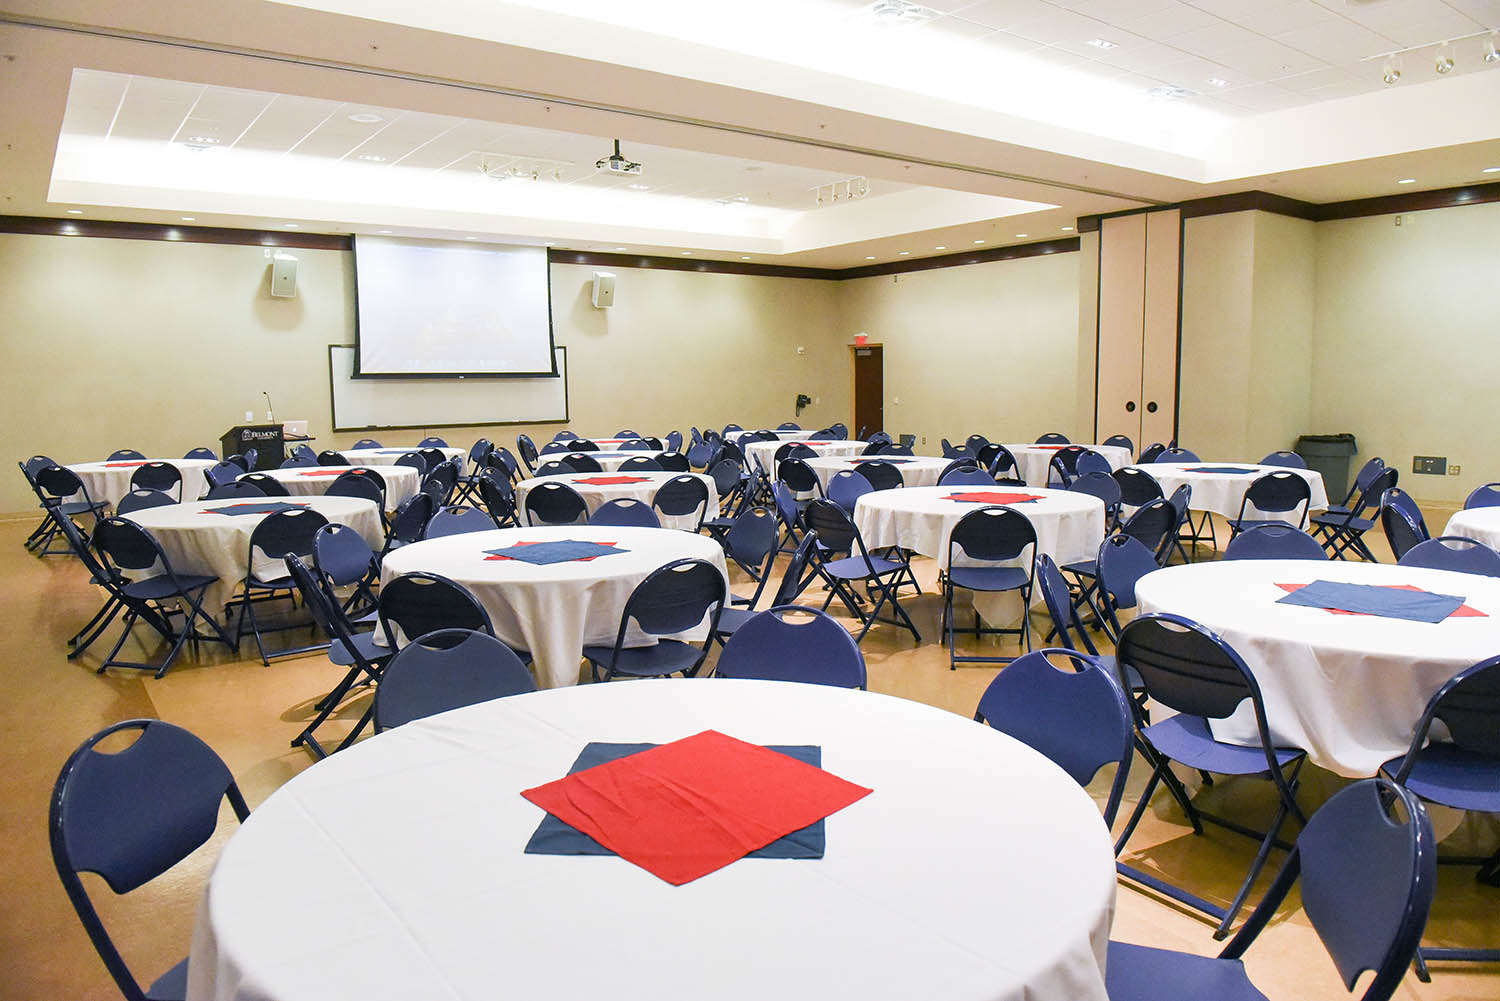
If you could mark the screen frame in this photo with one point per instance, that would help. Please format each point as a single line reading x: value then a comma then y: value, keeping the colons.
x: 551, y: 333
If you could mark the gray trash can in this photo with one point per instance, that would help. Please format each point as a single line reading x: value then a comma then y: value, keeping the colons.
x: 1329, y: 454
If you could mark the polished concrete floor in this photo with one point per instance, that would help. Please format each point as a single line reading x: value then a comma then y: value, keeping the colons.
x: 249, y: 713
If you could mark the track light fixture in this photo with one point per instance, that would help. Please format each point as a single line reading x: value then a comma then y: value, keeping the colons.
x: 1392, y: 71
x: 1492, y: 49
x: 1443, y: 61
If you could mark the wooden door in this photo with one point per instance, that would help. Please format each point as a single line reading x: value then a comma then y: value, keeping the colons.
x: 869, y: 389
x: 1160, y: 327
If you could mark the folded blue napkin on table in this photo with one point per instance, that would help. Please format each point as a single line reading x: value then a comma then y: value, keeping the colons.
x: 562, y: 551
x: 1221, y: 469
x: 255, y: 507
x: 553, y: 837
x: 1367, y: 599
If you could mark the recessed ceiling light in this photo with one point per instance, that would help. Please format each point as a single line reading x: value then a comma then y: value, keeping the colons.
x: 939, y: 248
x: 75, y: 211
x: 1490, y: 170
x: 1407, y: 180
x: 365, y: 118
x: 869, y: 258
x: 1167, y: 92
x: 619, y: 250
x: 894, y: 13
x: 1022, y: 236
x: 188, y: 218
x: 1067, y: 229
x: 744, y: 258
x: 1103, y: 43
x: 383, y: 232
x: 905, y: 252
x: 371, y: 157
x: 687, y: 253
x: 639, y: 187
x: 204, y: 140
x: 1215, y: 81
x: 288, y: 225
x: 549, y: 244
x: 471, y: 238
x: 977, y: 242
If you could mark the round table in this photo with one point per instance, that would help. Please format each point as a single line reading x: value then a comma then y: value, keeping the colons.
x: 388, y: 456
x: 109, y: 481
x: 401, y: 482
x: 1222, y: 491
x: 556, y: 609
x: 1348, y: 688
x: 762, y: 454
x: 596, y: 488
x: 1479, y: 523
x: 916, y: 471
x: 1035, y: 461
x: 198, y: 541
x: 395, y: 869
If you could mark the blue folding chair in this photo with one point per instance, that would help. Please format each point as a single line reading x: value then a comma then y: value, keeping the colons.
x: 343, y: 559
x: 1120, y: 441
x: 1063, y: 466
x: 201, y: 453
x: 976, y: 443
x: 409, y: 522
x: 1453, y: 552
x: 142, y: 499
x: 1193, y: 672
x: 277, y: 536
x: 980, y: 547
x: 131, y: 815
x: 268, y: 484
x: 329, y: 457
x: 1487, y: 495
x: 1367, y: 862
x: 884, y: 576
x: 965, y: 473
x: 1341, y: 528
x: 1150, y: 452
x: 582, y: 462
x: 1283, y: 496
x: 752, y: 545
x: 447, y: 669
x: 625, y: 512
x: 54, y: 485
x: 793, y: 643
x: 365, y: 443
x: 1053, y: 438
x: 432, y: 441
x: 1102, y: 486
x: 457, y: 520
x: 555, y: 503
x: 1000, y: 462
x: 634, y: 464
x: 1274, y: 541
x: 1291, y: 460
x: 161, y: 476
x: 1462, y: 772
x: 1402, y: 521
x: 846, y: 487
x: 527, y: 448
x: 124, y: 455
x: 239, y: 489
x: 882, y: 475
x: 1078, y: 717
x: 418, y: 603
x: 684, y: 496
x: 1175, y: 454
x: 673, y: 599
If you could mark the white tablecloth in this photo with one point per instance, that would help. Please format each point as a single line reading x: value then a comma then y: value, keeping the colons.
x: 109, y: 481
x: 555, y: 610
x: 1035, y: 461
x: 1348, y: 688
x: 1480, y: 523
x: 401, y: 482
x: 199, y: 542
x: 916, y: 471
x: 388, y: 456
x: 976, y: 869
x: 763, y: 453
x: 613, y: 444
x: 643, y: 488
x: 1222, y: 493
x: 609, y: 461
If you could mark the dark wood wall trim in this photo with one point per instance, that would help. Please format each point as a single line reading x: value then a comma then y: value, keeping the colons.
x: 1247, y: 201
x: 41, y: 226
x: 1011, y: 253
x: 598, y: 260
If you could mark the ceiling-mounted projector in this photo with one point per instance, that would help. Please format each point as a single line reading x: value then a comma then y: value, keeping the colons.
x: 617, y: 164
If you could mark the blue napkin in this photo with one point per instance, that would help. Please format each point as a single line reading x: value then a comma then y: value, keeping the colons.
x: 553, y: 837
x: 255, y: 507
x: 563, y: 551
x: 876, y: 458
x: 1388, y: 602
x: 1221, y: 469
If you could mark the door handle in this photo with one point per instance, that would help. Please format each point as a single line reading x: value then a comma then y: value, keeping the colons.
x: 1130, y: 407
x: 1151, y: 407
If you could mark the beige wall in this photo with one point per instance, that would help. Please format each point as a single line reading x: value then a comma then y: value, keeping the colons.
x: 988, y: 348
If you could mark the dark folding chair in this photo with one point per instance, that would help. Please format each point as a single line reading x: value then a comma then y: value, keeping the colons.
x: 898, y: 449
x: 365, y: 484
x: 800, y: 478
x: 1487, y: 495
x: 1284, y: 496
x: 128, y: 553
x: 332, y: 457
x: 302, y: 451
x: 1411, y: 527
x: 268, y: 484
x: 447, y: 669
x: 684, y: 496
x: 54, y: 486
x: 638, y: 444
x: 840, y: 430
x: 556, y: 467
x: 672, y: 599
x: 46, y: 529
x: 1137, y: 489
x: 701, y: 454
x: 846, y: 487
x: 789, y: 426
x: 1273, y: 541
x: 1453, y: 552
x: 838, y: 534
x: 432, y: 441
x: 1150, y: 452
x: 673, y: 462
x: 1063, y: 466
x: 788, y: 514
x: 1152, y: 526
x: 976, y: 443
x: 409, y: 522
x: 366, y: 443
x: 1104, y: 487
x: 582, y: 462
x: 1181, y: 501
x: 142, y: 499
x: 1175, y: 454
x: 1120, y: 441
x: 499, y: 498
x: 1462, y: 772
x: 233, y: 491
x: 1193, y: 672
x: 952, y: 451
x: 343, y: 559
x: 751, y: 544
x: 124, y: 455
x: 565, y: 435
x: 673, y: 441
x: 248, y: 461
x: 527, y: 448
x: 415, y: 461
x: 298, y: 462
x: 793, y: 643
x: 1281, y: 457
x: 627, y: 433
x: 223, y: 473
x: 441, y: 480
x: 1362, y: 480
x: 1053, y: 438
x: 1342, y: 531
x: 418, y: 603
x: 468, y: 481
x: 457, y: 520
x: 582, y: 445
x: 625, y: 512
x: 1122, y: 561
x: 729, y: 484
x: 201, y: 453
x: 730, y: 429
x: 113, y: 584
x: 502, y: 458
x: 161, y: 476
x: 131, y: 815
x: 984, y: 537
x: 1001, y: 463
x: 1078, y: 716
x: 882, y: 475
x: 277, y: 536
x: 1368, y: 855
x: 1090, y: 461
x: 634, y: 464
x: 554, y: 503
x: 964, y: 473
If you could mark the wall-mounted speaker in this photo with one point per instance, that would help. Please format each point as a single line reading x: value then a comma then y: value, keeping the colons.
x: 604, y: 290
x: 284, y: 276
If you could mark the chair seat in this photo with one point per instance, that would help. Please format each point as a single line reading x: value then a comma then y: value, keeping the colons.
x: 988, y: 578
x: 1133, y: 680
x: 666, y: 657
x: 364, y: 644
x: 154, y: 588
x: 1141, y: 973
x: 1245, y: 524
x: 80, y: 507
x: 1186, y: 739
x: 1337, y: 521
x: 853, y: 568
x: 1447, y: 774
x: 1083, y: 568
x: 170, y: 986
x: 731, y: 619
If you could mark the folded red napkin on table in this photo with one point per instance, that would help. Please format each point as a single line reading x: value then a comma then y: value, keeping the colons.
x: 609, y: 481
x: 688, y: 808
x: 992, y: 497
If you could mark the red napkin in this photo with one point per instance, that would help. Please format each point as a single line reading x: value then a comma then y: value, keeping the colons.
x: 992, y: 497
x: 123, y: 465
x: 609, y: 481
x: 1054, y: 447
x: 340, y: 471
x: 688, y: 808
x: 1461, y: 612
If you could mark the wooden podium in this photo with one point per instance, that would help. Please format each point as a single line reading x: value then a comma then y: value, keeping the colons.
x: 266, y: 439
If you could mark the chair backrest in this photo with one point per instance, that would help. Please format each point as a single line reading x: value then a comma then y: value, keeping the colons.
x: 793, y: 643
x: 285, y: 533
x: 415, y: 461
x: 1120, y: 441
x: 799, y: 572
x: 556, y: 448
x: 157, y: 476
x: 1362, y: 479
x: 124, y: 455
x: 1053, y: 438
x: 432, y: 441
x: 1122, y: 560
x: 993, y: 532
x: 875, y: 448
x: 626, y: 512
x: 131, y: 815
x: 353, y: 484
x: 1278, y: 493
x: 555, y: 503
x: 583, y: 445
x: 627, y: 433
x: 582, y: 462
x: 1137, y: 487
x: 674, y: 599
x: 1487, y: 495
x: 952, y: 451
x: 564, y: 435
x: 1153, y: 525
x: 1468, y: 704
x: 789, y: 426
x: 230, y: 491
x: 410, y: 520
x: 634, y: 464
x: 141, y: 499
x: 1059, y: 602
x: 1177, y: 455
x: 419, y: 603
x: 124, y: 546
x: 1398, y: 498
x: 478, y: 452
x: 366, y: 443
x: 965, y: 473
x: 498, y: 495
x: 700, y: 454
x: 269, y: 485
x: 457, y: 520
x: 302, y: 450
x: 751, y: 542
x: 1453, y: 552
x: 1150, y: 452
x: 221, y: 473
x: 1063, y: 465
x: 836, y: 532
x: 898, y: 448
x: 976, y: 443
x: 1078, y: 715
x: 1090, y: 461
x: 846, y: 487
x: 882, y: 475
x: 998, y: 459
x: 1401, y: 531
x: 1369, y: 497
x: 798, y: 475
x: 1100, y: 485
x: 672, y: 462
x: 332, y: 457
x: 442, y: 477
x: 447, y: 669
x: 1282, y: 457
x: 502, y: 458
x: 200, y: 452
x: 341, y: 555
x: 686, y: 494
x: 674, y: 441
x: 731, y: 428
x: 726, y: 476
x: 555, y: 467
x: 786, y: 505
x: 1272, y: 541
x: 295, y: 461
x: 1187, y: 668
x: 527, y: 448
x: 840, y: 430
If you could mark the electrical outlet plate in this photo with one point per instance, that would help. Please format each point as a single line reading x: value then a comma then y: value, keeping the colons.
x: 1454, y: 469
